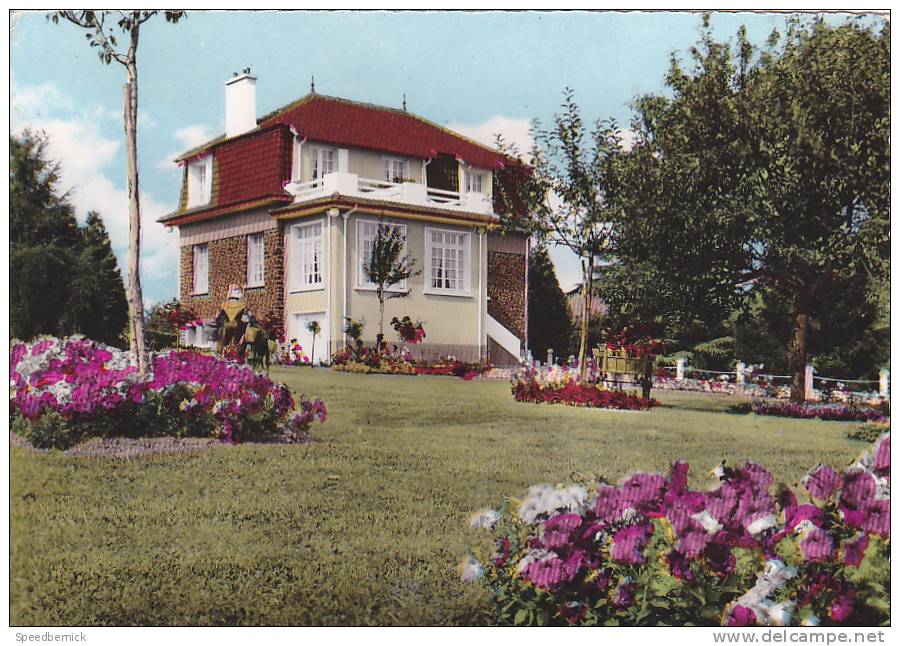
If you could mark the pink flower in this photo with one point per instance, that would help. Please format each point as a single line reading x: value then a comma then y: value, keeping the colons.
x: 855, y: 549
x: 817, y: 545
x: 629, y: 543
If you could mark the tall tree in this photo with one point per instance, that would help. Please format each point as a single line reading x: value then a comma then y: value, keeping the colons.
x: 102, y: 35
x: 388, y: 265
x: 66, y: 278
x: 549, y: 320
x: 766, y: 172
x: 562, y: 196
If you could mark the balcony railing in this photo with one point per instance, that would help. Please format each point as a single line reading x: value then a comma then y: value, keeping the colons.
x: 350, y: 185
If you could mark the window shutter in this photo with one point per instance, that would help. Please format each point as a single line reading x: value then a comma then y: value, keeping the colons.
x: 343, y: 160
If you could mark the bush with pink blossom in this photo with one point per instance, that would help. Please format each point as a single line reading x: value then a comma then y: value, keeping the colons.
x: 65, y: 390
x: 653, y: 551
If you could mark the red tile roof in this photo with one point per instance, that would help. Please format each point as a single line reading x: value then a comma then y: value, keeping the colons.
x: 252, y: 166
x: 363, y: 125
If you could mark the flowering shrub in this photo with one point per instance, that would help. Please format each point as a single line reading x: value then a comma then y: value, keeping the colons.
x: 651, y: 551
x: 64, y: 390
x: 561, y: 386
x: 807, y: 410
x: 407, y: 330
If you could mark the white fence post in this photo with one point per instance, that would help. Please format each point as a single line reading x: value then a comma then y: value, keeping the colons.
x: 739, y: 373
x: 549, y: 357
x: 679, y: 369
x: 884, y: 383
x: 808, y: 382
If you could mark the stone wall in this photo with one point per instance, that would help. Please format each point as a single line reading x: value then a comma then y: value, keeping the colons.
x: 506, y: 284
x: 228, y: 264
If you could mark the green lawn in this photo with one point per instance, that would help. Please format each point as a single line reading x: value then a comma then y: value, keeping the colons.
x: 364, y: 526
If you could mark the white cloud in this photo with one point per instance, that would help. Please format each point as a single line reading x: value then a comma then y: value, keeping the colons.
x: 187, y: 138
x: 34, y: 100
x: 515, y: 131
x: 88, y: 159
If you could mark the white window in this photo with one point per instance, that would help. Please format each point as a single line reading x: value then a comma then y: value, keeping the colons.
x: 365, y: 238
x: 324, y: 161
x: 256, y: 260
x: 199, y: 181
x: 307, y: 261
x: 201, y: 269
x: 448, y: 254
x: 474, y: 182
x: 395, y: 170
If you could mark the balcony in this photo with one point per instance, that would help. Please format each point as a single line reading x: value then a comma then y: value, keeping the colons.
x: 350, y: 185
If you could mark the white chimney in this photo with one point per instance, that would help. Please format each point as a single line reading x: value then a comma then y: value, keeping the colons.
x: 240, y: 103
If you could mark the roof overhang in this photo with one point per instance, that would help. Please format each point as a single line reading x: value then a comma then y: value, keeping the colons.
x: 180, y: 218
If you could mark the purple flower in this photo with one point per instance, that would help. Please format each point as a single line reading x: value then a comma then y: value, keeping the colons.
x: 804, y: 512
x: 608, y: 504
x: 755, y: 475
x: 855, y: 549
x: 679, y: 566
x: 719, y: 558
x: 721, y: 502
x: 643, y: 491
x: 629, y: 543
x: 842, y: 607
x: 859, y: 489
x: 624, y: 595
x: 883, y: 456
x: 694, y: 541
x: 822, y: 482
x: 817, y: 545
x: 741, y: 616
x: 877, y: 518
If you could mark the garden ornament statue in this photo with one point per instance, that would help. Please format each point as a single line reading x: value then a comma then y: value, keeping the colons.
x: 232, y: 321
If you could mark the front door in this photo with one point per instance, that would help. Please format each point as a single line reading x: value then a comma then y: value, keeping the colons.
x: 299, y: 330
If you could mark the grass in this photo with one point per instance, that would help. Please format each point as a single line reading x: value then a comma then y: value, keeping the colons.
x: 365, y: 525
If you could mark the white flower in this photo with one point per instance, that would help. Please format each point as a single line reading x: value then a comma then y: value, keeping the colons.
x: 709, y: 523
x: 484, y: 519
x: 760, y: 525
x: 545, y: 500
x: 778, y: 614
x: 538, y: 555
x: 470, y: 570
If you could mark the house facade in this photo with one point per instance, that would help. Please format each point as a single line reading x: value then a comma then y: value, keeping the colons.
x: 287, y: 206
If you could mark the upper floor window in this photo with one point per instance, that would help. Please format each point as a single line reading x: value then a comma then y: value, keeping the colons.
x: 199, y: 181
x: 395, y: 170
x: 256, y: 260
x: 201, y: 269
x: 324, y: 161
x: 307, y: 261
x: 474, y: 182
x: 448, y: 259
x: 366, y: 233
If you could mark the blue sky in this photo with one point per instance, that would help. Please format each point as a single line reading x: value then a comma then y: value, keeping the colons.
x: 479, y: 73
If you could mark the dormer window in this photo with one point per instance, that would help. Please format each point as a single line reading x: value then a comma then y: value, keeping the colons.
x: 324, y: 161
x: 395, y: 170
x: 199, y: 181
x: 474, y: 182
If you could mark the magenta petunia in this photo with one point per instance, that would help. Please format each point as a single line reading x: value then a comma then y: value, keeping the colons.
x: 854, y: 549
x: 629, y: 542
x: 883, y: 456
x: 858, y: 489
x: 816, y: 545
x: 741, y: 616
x: 643, y: 491
x: 823, y: 482
x: 804, y: 512
x: 877, y: 518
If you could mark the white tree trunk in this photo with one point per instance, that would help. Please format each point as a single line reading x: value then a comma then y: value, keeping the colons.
x: 133, y: 291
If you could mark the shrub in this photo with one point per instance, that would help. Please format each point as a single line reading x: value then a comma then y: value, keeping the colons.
x: 452, y: 367
x: 64, y: 390
x: 869, y: 432
x: 651, y: 551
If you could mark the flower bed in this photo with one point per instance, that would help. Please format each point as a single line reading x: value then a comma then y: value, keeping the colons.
x: 833, y: 412
x: 651, y: 551
x: 66, y: 390
x: 870, y: 431
x: 562, y: 386
x: 454, y: 368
